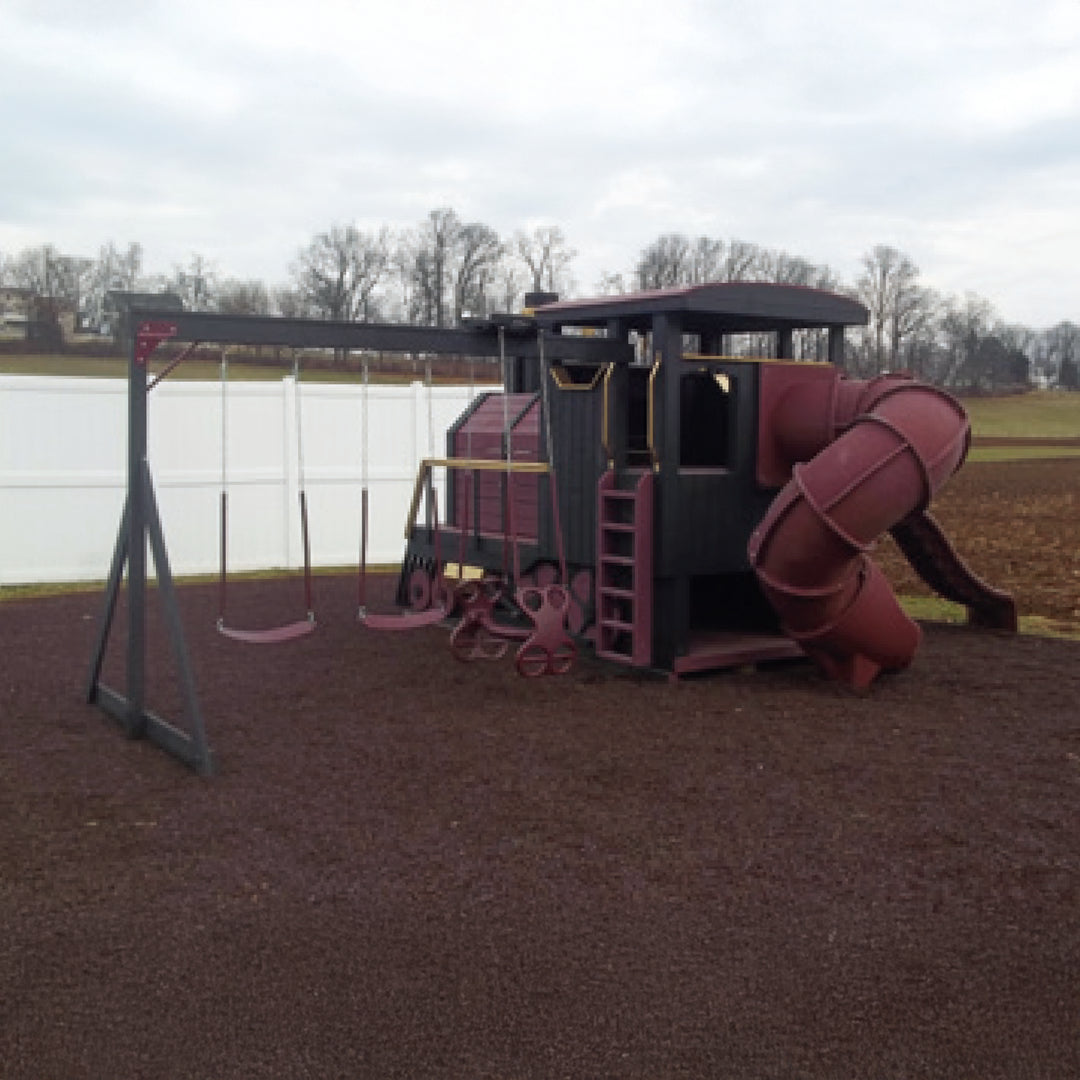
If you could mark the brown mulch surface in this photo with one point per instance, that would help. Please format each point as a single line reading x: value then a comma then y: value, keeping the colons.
x: 409, y: 867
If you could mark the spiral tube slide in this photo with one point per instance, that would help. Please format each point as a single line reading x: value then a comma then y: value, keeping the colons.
x: 879, y: 451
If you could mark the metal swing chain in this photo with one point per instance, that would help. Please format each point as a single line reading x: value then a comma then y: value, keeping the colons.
x: 545, y: 404
x: 361, y: 613
x: 302, y: 484
x: 432, y: 493
x: 505, y: 399
x: 508, y: 516
x: 223, y: 511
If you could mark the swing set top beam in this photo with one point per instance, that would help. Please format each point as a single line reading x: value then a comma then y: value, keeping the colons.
x: 211, y: 327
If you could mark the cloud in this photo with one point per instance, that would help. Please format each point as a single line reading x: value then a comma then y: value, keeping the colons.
x: 238, y: 132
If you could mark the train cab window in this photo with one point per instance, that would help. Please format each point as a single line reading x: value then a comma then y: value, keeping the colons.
x: 637, y: 418
x: 706, y: 420
x: 576, y: 376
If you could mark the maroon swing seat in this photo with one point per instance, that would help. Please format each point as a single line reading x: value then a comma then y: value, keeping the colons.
x: 272, y: 635
x: 404, y: 619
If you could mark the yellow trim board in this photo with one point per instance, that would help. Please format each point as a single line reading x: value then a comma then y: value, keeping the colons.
x: 752, y: 359
x: 463, y: 573
x: 472, y: 464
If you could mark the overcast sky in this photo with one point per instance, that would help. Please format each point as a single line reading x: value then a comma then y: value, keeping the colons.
x: 949, y: 129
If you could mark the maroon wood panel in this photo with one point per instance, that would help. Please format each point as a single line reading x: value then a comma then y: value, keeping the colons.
x: 481, y: 436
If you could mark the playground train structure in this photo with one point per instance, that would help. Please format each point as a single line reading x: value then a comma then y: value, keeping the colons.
x: 688, y: 510
x: 633, y: 486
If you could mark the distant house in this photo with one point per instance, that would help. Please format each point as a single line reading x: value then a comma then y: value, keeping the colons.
x: 15, y: 304
x: 44, y: 320
x: 124, y: 308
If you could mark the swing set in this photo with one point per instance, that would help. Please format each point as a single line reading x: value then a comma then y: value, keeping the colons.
x: 543, y: 649
x: 288, y: 631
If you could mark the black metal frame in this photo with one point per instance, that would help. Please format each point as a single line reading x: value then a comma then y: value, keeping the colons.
x: 141, y: 522
x: 479, y: 341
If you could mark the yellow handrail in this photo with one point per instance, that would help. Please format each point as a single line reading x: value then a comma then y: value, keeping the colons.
x: 473, y: 464
x: 605, y: 440
x: 710, y: 358
x: 651, y: 432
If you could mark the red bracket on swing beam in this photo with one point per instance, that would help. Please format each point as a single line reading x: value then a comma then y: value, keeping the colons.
x: 149, y: 336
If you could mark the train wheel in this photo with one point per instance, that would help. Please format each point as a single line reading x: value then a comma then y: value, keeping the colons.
x: 419, y: 587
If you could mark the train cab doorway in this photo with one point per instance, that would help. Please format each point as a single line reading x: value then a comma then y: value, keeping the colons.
x: 706, y: 408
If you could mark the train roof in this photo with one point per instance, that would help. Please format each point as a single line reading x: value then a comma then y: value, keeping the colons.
x: 727, y: 307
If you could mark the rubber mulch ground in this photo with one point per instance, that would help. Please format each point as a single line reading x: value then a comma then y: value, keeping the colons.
x: 406, y: 867
x: 410, y: 867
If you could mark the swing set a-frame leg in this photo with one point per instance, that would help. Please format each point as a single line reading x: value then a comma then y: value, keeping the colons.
x: 130, y: 711
x: 139, y: 523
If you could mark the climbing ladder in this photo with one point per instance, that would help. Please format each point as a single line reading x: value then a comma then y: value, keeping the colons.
x: 624, y: 564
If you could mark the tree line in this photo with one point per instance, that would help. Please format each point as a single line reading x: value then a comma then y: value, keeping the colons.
x: 447, y: 268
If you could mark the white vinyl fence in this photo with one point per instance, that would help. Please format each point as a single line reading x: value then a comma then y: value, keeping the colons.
x: 63, y: 461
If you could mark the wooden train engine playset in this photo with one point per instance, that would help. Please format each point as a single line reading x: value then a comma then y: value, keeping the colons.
x: 643, y: 481
x: 690, y: 509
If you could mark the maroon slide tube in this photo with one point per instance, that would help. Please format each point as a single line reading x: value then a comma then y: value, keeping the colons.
x: 898, y: 442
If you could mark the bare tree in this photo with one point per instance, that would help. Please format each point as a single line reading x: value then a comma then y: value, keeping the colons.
x: 114, y: 270
x: 338, y: 274
x: 476, y: 262
x: 289, y: 303
x: 57, y: 286
x: 421, y: 289
x: 74, y: 276
x: 236, y: 297
x: 785, y: 269
x: 447, y: 268
x: 611, y: 284
x: 963, y: 327
x: 742, y: 262
x: 673, y: 260
x: 705, y: 260
x: 1061, y: 348
x: 900, y: 307
x: 664, y: 264
x: 424, y: 263
x: 30, y: 269
x: 547, y: 257
x: 510, y: 285
x: 196, y: 284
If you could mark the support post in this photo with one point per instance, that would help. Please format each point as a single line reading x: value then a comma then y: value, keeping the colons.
x: 140, y: 523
